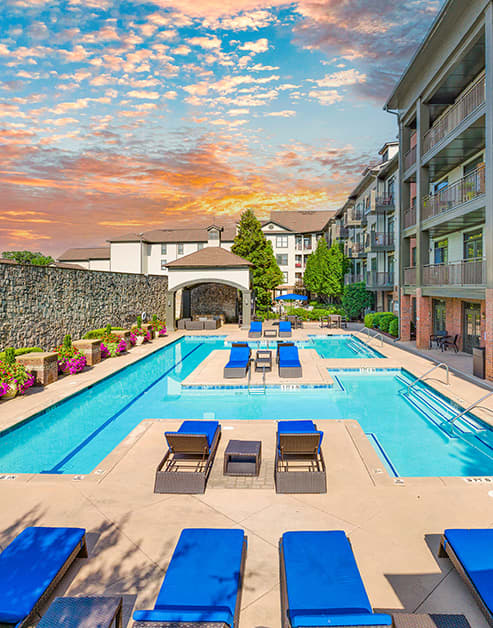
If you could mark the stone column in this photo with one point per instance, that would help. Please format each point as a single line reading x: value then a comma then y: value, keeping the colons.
x: 170, y: 311
x: 246, y: 305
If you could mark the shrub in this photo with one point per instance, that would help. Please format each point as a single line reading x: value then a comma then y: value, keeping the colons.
x: 22, y: 351
x: 67, y: 341
x: 385, y: 321
x: 9, y: 355
x: 394, y: 327
x: 99, y: 333
x: 14, y: 376
x: 369, y: 320
x: 70, y: 360
x: 139, y: 321
x: 355, y: 299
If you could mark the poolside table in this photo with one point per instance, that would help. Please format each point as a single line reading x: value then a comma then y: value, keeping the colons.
x: 242, y: 457
x: 82, y: 612
x: 263, y: 360
x: 407, y: 620
x: 270, y: 333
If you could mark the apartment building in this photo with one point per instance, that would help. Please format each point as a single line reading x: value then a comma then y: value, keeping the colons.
x: 93, y: 258
x: 444, y: 102
x: 366, y: 226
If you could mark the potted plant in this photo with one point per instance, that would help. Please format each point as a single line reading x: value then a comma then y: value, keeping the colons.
x: 159, y: 327
x: 70, y: 359
x: 140, y: 333
x: 111, y: 344
x: 14, y: 379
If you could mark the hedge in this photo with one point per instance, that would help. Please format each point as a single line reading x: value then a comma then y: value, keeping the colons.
x: 394, y: 327
x: 23, y: 351
x: 97, y: 333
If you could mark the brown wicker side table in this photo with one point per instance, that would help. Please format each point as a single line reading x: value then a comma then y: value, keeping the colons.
x: 75, y: 612
x: 407, y: 620
x: 270, y: 333
x: 242, y: 457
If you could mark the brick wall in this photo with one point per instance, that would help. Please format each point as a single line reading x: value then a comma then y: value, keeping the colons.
x: 424, y: 324
x: 406, y: 313
x: 453, y: 319
x: 488, y: 327
x: 39, y: 305
x: 214, y: 299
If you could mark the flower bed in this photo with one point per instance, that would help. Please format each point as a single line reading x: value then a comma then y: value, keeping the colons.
x: 70, y: 359
x: 159, y: 327
x: 112, y: 345
x: 14, y: 379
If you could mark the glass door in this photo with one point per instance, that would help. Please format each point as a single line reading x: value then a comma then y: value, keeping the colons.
x: 439, y: 316
x: 471, y: 326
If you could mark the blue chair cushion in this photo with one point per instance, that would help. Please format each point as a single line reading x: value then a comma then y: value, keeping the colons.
x: 238, y: 357
x: 285, y: 326
x: 29, y: 565
x: 208, y: 428
x: 288, y: 356
x: 256, y: 326
x: 323, y: 582
x: 293, y: 427
x: 211, y: 558
x: 474, y: 549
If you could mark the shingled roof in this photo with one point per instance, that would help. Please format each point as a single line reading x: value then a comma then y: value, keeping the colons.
x: 210, y: 256
x: 180, y: 234
x: 301, y: 221
x: 83, y: 254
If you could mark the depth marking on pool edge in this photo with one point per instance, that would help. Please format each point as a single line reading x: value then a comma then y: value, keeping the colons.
x: 374, y: 437
x: 88, y: 439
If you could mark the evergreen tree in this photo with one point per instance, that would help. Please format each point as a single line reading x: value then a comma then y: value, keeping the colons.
x: 337, y: 266
x: 325, y: 270
x: 251, y: 244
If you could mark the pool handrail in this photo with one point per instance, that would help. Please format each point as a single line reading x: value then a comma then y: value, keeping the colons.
x: 377, y: 335
x: 468, y: 409
x: 421, y: 377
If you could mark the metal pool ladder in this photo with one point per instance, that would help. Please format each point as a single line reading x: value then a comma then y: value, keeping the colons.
x: 256, y: 390
x: 468, y: 409
x: 377, y: 335
x: 421, y: 377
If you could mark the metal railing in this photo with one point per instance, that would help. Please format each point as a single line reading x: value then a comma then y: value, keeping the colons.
x: 339, y: 231
x: 350, y: 279
x: 410, y: 276
x: 384, y: 204
x: 379, y: 240
x: 366, y: 330
x: 461, y: 191
x: 375, y: 279
x: 352, y: 216
x: 455, y: 114
x: 410, y: 158
x: 463, y: 273
x: 468, y: 409
x: 433, y: 368
x: 409, y: 217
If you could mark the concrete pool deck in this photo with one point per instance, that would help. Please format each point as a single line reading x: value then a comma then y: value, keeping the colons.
x: 394, y: 527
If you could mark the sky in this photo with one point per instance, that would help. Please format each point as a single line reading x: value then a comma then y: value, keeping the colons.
x: 120, y: 116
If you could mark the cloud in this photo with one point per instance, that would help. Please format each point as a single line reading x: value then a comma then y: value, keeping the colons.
x: 143, y: 94
x: 286, y: 113
x: 326, y: 96
x: 261, y: 45
x: 339, y: 79
x: 208, y: 43
x: 251, y: 20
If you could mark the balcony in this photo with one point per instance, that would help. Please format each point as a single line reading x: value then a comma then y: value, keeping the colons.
x: 379, y: 241
x: 466, y: 189
x: 410, y: 158
x: 384, y: 204
x: 354, y: 249
x: 463, y: 273
x: 410, y: 276
x: 352, y: 217
x: 375, y: 279
x: 339, y: 231
x: 453, y: 116
x: 350, y: 279
x: 409, y: 217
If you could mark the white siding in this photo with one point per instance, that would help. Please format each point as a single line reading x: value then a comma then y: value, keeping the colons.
x: 125, y: 257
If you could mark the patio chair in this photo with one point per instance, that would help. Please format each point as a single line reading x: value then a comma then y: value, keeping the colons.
x: 281, y: 343
x: 239, y: 361
x: 471, y: 553
x: 289, y: 361
x: 202, y: 585
x: 438, y: 337
x: 299, y: 464
x: 448, y: 342
x: 255, y: 330
x: 32, y: 566
x: 321, y: 584
x: 285, y: 329
x: 188, y: 462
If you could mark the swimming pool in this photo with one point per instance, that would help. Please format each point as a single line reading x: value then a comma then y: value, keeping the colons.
x: 407, y: 431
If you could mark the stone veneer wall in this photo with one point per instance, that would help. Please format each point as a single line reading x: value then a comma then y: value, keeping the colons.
x: 39, y: 305
x: 214, y: 299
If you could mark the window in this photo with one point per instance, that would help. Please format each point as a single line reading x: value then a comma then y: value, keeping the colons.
x: 282, y: 241
x: 213, y: 234
x: 473, y: 165
x: 200, y: 245
x: 298, y: 242
x: 179, y: 249
x: 307, y: 242
x: 390, y: 188
x: 473, y: 244
x: 298, y: 260
x: 163, y: 264
x: 282, y: 259
x: 163, y: 249
x: 285, y: 275
x: 441, y: 251
x: 442, y: 185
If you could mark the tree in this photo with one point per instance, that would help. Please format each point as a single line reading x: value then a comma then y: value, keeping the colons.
x: 28, y: 257
x: 251, y: 244
x: 355, y: 299
x: 337, y: 266
x: 325, y: 269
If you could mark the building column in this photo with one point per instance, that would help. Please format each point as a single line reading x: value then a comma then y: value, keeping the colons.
x: 488, y: 226
x: 424, y: 322
x: 170, y: 311
x: 405, y: 319
x: 246, y: 308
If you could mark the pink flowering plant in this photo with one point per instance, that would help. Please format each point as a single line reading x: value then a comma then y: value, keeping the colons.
x: 140, y: 331
x: 158, y: 326
x: 13, y: 376
x: 133, y: 339
x: 112, y: 345
x: 70, y: 359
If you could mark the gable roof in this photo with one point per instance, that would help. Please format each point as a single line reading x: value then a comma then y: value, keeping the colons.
x: 85, y: 254
x: 210, y: 256
x: 179, y: 234
x: 302, y: 221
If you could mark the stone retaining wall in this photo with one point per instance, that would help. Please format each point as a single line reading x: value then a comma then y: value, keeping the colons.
x: 214, y: 299
x: 39, y: 305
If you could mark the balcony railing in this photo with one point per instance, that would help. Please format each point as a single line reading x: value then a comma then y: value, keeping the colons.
x: 463, y: 273
x: 377, y: 241
x: 410, y: 158
x: 353, y: 249
x: 463, y: 190
x: 352, y: 216
x: 350, y: 279
x: 451, y: 119
x: 384, y: 204
x: 410, y: 276
x: 409, y: 217
x: 375, y: 279
x: 339, y: 231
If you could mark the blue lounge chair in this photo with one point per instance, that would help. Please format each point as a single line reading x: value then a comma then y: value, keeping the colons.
x: 285, y: 329
x: 321, y: 584
x: 255, y: 330
x: 289, y: 361
x: 188, y: 462
x: 299, y: 465
x: 239, y: 361
x: 203, y: 581
x: 32, y: 566
x: 471, y: 553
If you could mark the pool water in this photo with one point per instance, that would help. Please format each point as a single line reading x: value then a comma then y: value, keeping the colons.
x: 407, y: 431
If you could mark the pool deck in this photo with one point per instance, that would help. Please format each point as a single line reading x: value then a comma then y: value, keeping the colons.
x: 393, y: 525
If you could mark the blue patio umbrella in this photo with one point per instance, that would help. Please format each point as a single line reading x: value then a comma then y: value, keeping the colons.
x: 291, y: 297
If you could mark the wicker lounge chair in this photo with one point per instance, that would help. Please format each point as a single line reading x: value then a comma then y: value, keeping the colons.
x: 255, y: 330
x: 299, y: 465
x: 239, y: 361
x: 202, y: 585
x: 471, y: 553
x: 32, y: 566
x: 289, y: 361
x: 321, y: 584
x: 188, y: 462
x: 281, y: 343
x: 285, y: 329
